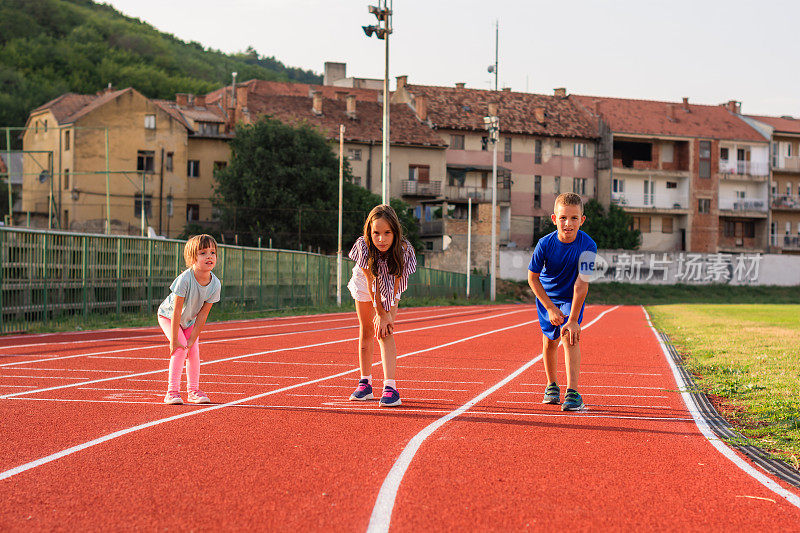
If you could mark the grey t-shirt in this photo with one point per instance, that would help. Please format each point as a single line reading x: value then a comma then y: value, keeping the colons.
x: 194, y: 296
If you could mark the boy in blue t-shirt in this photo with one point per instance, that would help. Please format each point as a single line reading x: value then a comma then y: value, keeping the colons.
x: 561, y: 292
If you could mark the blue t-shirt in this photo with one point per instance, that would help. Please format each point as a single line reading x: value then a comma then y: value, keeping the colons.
x: 557, y: 264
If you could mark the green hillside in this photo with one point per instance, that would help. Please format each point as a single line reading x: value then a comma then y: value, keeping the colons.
x: 50, y: 47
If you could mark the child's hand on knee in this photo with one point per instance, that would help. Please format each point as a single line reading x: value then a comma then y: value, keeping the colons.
x: 556, y: 316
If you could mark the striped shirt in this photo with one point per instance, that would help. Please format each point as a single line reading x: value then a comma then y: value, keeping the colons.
x: 360, y: 254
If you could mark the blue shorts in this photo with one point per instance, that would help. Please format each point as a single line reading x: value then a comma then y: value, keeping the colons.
x: 554, y: 332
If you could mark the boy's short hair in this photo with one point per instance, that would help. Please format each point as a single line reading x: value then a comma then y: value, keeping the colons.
x: 568, y: 198
x: 198, y: 242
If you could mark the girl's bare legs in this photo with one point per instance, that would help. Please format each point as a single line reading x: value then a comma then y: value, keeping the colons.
x: 549, y: 351
x: 366, y: 345
x: 389, y: 352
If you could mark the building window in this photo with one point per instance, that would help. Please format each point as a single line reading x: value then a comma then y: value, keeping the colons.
x: 66, y: 218
x: 66, y: 140
x: 617, y: 185
x: 219, y: 166
x: 484, y: 143
x: 66, y: 179
x: 666, y: 224
x: 641, y: 223
x: 788, y: 188
x: 137, y: 205
x: 149, y: 122
x: 193, y: 168
x: 456, y: 142
x: 579, y: 186
x: 704, y: 205
x: 168, y: 162
x: 170, y: 206
x: 537, y: 152
x: 456, y: 178
x: 145, y: 161
x: 208, y: 128
x: 579, y: 150
x: 354, y: 154
x: 672, y: 185
x: 705, y: 159
x: 429, y: 245
x: 537, y: 191
x: 557, y: 185
x: 507, y: 150
x: 192, y: 212
x: 723, y: 154
x: 419, y: 173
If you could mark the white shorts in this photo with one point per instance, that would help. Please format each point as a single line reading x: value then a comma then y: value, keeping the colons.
x: 359, y: 288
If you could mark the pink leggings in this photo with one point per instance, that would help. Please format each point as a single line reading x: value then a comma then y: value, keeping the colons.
x: 177, y: 359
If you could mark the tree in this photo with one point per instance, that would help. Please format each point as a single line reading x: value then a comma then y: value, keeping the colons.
x: 611, y: 231
x: 282, y: 184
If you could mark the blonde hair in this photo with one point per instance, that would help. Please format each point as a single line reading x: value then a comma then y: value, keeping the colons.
x: 198, y: 242
x: 394, y: 255
x: 568, y: 198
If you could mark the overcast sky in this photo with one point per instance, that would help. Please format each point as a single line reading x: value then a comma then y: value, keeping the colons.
x: 709, y: 50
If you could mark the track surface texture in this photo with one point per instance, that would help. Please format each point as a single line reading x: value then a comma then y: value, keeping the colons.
x: 88, y: 445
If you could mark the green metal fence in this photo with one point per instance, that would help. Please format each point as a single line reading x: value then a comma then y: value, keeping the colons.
x: 47, y: 276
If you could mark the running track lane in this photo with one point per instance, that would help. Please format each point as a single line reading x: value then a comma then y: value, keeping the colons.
x: 314, y: 461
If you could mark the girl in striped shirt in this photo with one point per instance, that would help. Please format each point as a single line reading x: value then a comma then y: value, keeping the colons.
x: 384, y: 260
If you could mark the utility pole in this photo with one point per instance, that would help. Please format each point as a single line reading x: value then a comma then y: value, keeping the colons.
x: 493, y: 125
x: 339, y: 234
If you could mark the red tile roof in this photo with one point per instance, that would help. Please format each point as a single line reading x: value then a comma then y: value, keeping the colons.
x: 781, y: 124
x: 649, y: 117
x: 464, y: 109
x: 285, y: 88
x: 66, y: 105
x: 405, y: 128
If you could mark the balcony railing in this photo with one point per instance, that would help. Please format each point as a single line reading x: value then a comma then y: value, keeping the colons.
x: 650, y: 201
x: 743, y: 168
x: 786, y: 201
x: 786, y: 163
x: 785, y: 241
x: 431, y: 227
x: 742, y: 204
x: 421, y: 188
x: 478, y: 194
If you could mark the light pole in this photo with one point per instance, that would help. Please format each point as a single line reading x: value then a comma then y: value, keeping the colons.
x: 383, y: 12
x: 493, y: 125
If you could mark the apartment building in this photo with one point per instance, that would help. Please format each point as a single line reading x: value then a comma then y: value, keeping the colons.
x: 117, y: 156
x: 414, y: 147
x: 546, y: 147
x: 784, y: 220
x: 693, y: 177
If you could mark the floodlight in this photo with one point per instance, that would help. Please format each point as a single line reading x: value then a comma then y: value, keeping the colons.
x: 375, y: 10
x: 369, y: 30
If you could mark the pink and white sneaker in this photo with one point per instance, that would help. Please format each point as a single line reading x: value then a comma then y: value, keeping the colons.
x: 173, y: 398
x: 198, y: 396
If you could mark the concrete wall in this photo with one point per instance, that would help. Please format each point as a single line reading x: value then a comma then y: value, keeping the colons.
x: 669, y: 268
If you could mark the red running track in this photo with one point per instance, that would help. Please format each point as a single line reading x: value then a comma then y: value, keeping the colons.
x: 87, y: 444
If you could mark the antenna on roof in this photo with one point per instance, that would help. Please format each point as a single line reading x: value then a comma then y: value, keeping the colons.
x: 493, y: 68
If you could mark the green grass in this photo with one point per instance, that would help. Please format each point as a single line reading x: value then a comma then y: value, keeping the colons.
x: 746, y: 358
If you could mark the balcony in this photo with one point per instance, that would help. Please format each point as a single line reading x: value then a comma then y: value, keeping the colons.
x: 431, y: 227
x: 651, y: 202
x: 750, y: 170
x: 786, y: 164
x: 743, y: 207
x: 422, y: 188
x: 478, y: 194
x: 786, y: 202
x: 787, y: 242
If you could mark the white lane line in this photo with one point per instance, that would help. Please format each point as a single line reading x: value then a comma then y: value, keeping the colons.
x: 451, y: 367
x: 216, y: 382
x: 709, y: 434
x: 42, y: 377
x: 384, y: 504
x: 619, y: 373
x: 159, y: 391
x: 338, y: 399
x: 601, y: 387
x: 291, y: 363
x: 371, y: 408
x: 265, y: 352
x: 71, y: 370
x: 348, y: 387
x: 74, y: 449
x: 160, y: 335
x: 18, y: 386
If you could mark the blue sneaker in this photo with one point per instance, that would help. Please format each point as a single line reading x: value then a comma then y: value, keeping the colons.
x: 390, y: 398
x: 552, y: 394
x: 363, y: 391
x: 572, y: 401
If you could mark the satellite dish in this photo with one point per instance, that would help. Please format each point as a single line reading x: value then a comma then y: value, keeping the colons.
x: 44, y: 176
x: 446, y: 240
x: 490, y: 69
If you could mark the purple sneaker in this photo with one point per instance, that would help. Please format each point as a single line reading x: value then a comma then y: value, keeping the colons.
x: 390, y: 398
x: 363, y: 391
